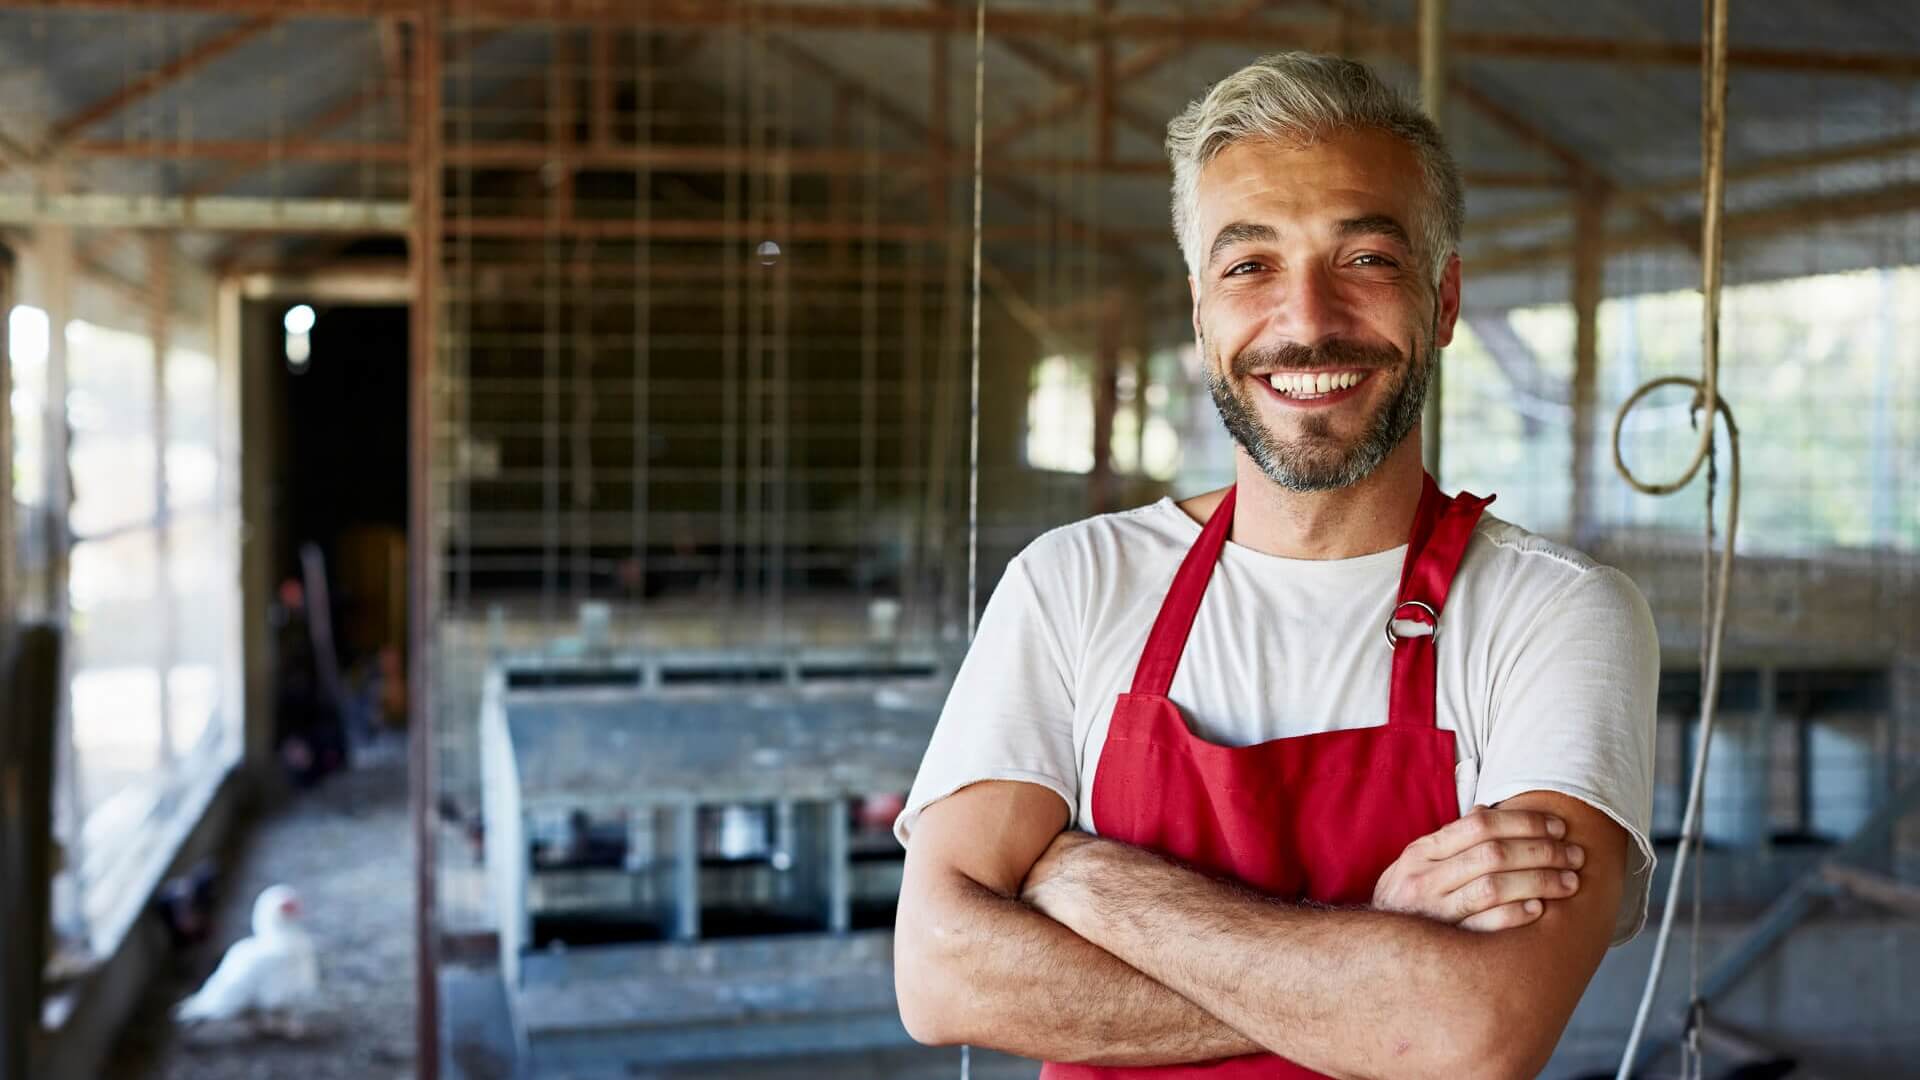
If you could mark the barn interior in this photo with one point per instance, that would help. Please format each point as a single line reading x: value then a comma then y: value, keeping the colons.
x: 525, y: 472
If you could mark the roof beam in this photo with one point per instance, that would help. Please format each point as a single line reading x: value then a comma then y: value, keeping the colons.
x: 222, y: 213
x: 1758, y: 169
x: 1584, y: 172
x: 947, y: 152
x: 1070, y: 101
x: 1064, y: 26
x: 250, y: 155
x: 329, y: 120
x: 1747, y: 225
x: 146, y: 84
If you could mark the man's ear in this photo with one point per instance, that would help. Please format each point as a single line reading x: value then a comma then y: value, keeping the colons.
x: 1447, y: 312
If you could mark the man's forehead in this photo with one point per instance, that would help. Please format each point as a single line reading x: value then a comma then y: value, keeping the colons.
x: 1348, y: 175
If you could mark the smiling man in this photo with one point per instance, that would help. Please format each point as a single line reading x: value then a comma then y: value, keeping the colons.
x: 1324, y: 773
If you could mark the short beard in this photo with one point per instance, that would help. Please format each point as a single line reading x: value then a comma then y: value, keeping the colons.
x: 1312, y: 462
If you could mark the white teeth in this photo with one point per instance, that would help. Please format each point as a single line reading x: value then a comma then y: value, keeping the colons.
x: 1303, y: 385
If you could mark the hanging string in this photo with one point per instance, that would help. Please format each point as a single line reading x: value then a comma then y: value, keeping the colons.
x: 1706, y: 401
x: 973, y: 400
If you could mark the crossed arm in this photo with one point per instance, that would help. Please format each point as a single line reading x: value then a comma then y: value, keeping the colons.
x: 1057, y: 945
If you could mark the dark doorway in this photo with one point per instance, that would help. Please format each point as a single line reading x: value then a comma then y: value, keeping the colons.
x: 337, y: 402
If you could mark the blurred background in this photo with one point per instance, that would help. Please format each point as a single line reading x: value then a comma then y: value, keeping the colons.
x: 502, y: 467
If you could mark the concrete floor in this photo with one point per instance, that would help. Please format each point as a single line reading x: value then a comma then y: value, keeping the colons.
x: 346, y: 847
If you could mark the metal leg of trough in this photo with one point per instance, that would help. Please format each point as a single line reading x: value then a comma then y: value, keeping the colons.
x: 839, y: 867
x: 686, y: 854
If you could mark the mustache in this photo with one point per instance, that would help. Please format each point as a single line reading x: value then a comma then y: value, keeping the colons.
x: 1334, y: 352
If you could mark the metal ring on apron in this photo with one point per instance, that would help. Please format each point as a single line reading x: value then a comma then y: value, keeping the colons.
x: 1433, y: 620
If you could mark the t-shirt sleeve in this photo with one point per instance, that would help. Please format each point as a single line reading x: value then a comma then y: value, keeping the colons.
x: 1574, y: 713
x: 1009, y: 715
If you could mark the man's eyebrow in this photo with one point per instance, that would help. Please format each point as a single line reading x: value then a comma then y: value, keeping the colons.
x: 1374, y: 225
x: 1240, y: 232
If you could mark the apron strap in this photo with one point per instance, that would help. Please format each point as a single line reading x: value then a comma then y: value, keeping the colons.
x: 1441, y: 529
x: 1168, y: 639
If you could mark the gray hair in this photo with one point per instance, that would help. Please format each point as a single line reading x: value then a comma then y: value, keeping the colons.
x: 1301, y: 98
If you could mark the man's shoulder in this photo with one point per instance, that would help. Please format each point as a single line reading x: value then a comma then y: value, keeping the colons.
x: 1509, y: 549
x: 1111, y: 541
x: 1526, y: 570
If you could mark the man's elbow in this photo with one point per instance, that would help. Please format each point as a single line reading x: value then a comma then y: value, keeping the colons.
x: 1506, y: 1038
x: 927, y: 1019
x: 930, y: 994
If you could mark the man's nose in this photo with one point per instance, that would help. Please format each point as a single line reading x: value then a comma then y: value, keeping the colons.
x: 1312, y: 309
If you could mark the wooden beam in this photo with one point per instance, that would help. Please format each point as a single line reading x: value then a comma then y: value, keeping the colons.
x: 1105, y: 95
x: 147, y: 83
x: 912, y: 125
x: 1068, y: 26
x: 423, y: 544
x: 1436, y: 43
x: 1088, y: 86
x: 1434, y: 82
x: 1069, y: 102
x: 1763, y: 168
x: 616, y: 228
x: 600, y: 60
x: 1875, y: 888
x: 1779, y: 217
x: 334, y: 117
x: 250, y: 152
x: 1589, y: 281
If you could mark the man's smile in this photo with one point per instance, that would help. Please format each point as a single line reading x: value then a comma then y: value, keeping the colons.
x: 1313, y: 389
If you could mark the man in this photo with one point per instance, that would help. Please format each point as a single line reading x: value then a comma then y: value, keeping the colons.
x: 1185, y: 812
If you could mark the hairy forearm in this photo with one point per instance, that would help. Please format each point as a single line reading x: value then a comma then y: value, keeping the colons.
x: 1354, y: 993
x: 974, y: 966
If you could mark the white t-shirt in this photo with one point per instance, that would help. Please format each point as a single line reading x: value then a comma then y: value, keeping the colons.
x: 1547, y: 666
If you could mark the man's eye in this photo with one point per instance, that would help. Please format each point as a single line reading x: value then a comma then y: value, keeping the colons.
x: 1237, y: 267
x: 1377, y: 260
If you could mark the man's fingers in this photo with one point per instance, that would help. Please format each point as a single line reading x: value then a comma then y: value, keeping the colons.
x: 1494, y: 890
x: 1500, y: 856
x: 1482, y: 825
x: 1505, y: 917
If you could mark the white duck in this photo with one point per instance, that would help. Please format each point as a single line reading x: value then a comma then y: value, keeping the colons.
x: 270, y: 978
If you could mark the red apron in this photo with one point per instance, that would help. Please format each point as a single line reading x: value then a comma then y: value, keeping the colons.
x: 1313, y: 817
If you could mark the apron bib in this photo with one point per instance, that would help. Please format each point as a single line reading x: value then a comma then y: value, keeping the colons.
x: 1314, y: 817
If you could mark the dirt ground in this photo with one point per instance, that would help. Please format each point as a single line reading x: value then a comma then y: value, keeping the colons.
x: 346, y: 847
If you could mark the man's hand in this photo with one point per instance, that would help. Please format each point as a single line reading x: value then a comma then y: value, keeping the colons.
x: 1490, y: 870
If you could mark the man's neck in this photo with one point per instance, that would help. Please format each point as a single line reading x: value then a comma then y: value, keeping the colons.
x: 1375, y: 514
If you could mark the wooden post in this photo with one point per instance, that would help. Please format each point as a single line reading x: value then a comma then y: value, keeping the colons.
x: 1106, y: 399
x: 159, y: 314
x: 1433, y: 97
x: 7, y: 556
x: 1103, y: 90
x: 423, y: 252
x: 1589, y: 271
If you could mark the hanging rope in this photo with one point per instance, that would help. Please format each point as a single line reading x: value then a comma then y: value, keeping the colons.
x: 1706, y: 400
